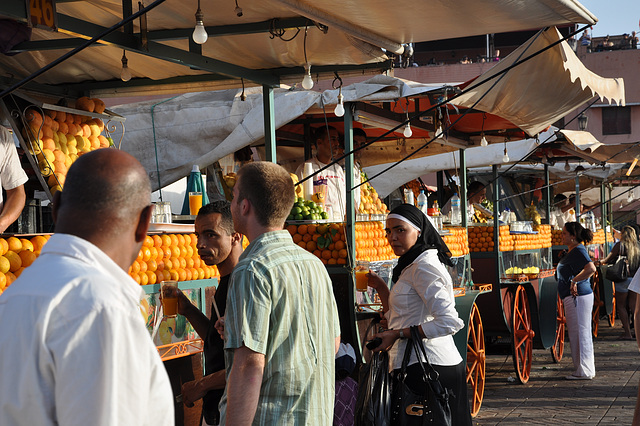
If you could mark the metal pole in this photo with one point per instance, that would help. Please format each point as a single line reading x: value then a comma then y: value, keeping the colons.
x: 577, y: 198
x: 603, y: 215
x: 349, y: 179
x: 546, y: 193
x: 269, y: 124
x: 463, y: 187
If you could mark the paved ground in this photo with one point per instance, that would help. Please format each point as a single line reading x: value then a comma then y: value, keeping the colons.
x: 550, y: 399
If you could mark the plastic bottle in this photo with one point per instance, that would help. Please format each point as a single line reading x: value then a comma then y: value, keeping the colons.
x: 422, y: 202
x: 436, y: 209
x: 456, y: 213
x: 408, y: 196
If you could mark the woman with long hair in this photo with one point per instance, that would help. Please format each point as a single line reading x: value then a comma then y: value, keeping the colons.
x: 625, y: 299
x: 422, y: 295
x: 573, y: 273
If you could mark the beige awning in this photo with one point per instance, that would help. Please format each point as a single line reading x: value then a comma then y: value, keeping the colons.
x: 357, y: 32
x: 535, y: 94
x: 582, y: 140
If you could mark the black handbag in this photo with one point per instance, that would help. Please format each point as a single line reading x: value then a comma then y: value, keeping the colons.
x: 373, y: 404
x: 619, y: 271
x: 431, y: 406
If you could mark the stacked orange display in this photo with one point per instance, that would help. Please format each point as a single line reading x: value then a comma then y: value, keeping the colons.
x: 57, y: 139
x: 457, y: 241
x: 170, y: 257
x: 481, y: 239
x: 16, y: 254
x: 328, y: 242
x: 598, y: 237
x: 533, y: 241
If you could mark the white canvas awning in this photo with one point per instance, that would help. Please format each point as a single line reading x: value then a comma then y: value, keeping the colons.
x: 475, y: 157
x: 539, y: 92
x: 357, y: 32
x: 584, y: 141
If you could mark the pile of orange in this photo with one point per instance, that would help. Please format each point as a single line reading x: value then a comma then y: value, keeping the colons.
x: 58, y: 138
x: 457, y: 241
x: 598, y: 237
x: 371, y: 242
x: 16, y: 254
x: 481, y: 238
x: 533, y: 241
x: 556, y: 237
x: 170, y: 257
x: 328, y: 241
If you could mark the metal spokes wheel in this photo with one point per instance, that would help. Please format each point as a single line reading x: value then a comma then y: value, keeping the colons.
x: 557, y: 350
x: 476, y: 359
x: 522, y: 339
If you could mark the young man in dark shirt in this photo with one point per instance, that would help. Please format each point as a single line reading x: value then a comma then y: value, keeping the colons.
x: 220, y: 245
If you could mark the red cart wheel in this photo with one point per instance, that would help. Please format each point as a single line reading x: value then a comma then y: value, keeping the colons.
x: 522, y: 340
x: 612, y: 315
x: 476, y: 359
x: 557, y: 350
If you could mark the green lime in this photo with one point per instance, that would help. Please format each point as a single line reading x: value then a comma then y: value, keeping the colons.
x: 298, y: 217
x: 311, y: 205
x: 325, y: 215
x: 296, y: 210
x: 291, y: 217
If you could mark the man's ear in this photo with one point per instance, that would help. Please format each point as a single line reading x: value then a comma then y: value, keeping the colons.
x: 143, y: 223
x: 245, y: 207
x: 236, y: 238
x: 55, y: 205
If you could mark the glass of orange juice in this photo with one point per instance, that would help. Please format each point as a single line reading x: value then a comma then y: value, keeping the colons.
x: 362, y: 269
x: 195, y: 202
x: 169, y: 298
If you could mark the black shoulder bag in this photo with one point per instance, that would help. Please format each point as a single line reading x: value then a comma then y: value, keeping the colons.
x: 373, y: 403
x: 619, y: 271
x: 431, y: 406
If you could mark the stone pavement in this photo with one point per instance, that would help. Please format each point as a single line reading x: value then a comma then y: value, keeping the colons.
x: 548, y: 398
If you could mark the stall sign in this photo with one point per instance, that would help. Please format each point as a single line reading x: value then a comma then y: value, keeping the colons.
x: 43, y: 14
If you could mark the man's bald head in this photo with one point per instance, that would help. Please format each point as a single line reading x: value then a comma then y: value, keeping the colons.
x: 106, y: 182
x: 105, y: 193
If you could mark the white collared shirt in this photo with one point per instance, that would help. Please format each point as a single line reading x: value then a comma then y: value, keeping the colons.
x: 423, y: 295
x: 11, y: 173
x: 74, y: 349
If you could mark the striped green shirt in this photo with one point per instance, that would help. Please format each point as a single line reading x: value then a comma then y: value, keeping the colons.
x: 281, y: 304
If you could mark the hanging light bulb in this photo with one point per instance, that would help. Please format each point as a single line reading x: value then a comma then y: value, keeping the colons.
x: 125, y: 74
x: 307, y: 81
x: 505, y: 157
x: 407, y: 131
x: 483, y: 140
x: 199, y: 35
x: 339, y: 111
x: 544, y: 159
x: 566, y: 166
x: 238, y: 10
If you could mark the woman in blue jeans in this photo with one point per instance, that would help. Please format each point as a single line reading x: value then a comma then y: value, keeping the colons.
x: 573, y: 272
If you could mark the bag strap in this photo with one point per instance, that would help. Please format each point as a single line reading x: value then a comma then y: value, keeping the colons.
x: 427, y: 369
x: 405, y: 361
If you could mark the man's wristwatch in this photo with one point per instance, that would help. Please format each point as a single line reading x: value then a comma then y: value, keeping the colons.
x: 401, y: 335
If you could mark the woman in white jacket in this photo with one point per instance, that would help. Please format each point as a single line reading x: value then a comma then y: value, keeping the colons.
x: 422, y: 295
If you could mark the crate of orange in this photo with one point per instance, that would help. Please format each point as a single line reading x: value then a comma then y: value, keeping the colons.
x: 327, y: 241
x: 457, y: 241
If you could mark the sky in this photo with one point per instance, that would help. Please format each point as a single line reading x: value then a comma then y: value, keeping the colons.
x: 615, y: 17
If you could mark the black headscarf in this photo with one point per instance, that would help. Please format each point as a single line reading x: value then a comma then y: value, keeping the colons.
x: 428, y: 239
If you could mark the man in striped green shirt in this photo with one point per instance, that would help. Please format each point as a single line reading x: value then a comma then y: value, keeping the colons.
x: 281, y: 325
